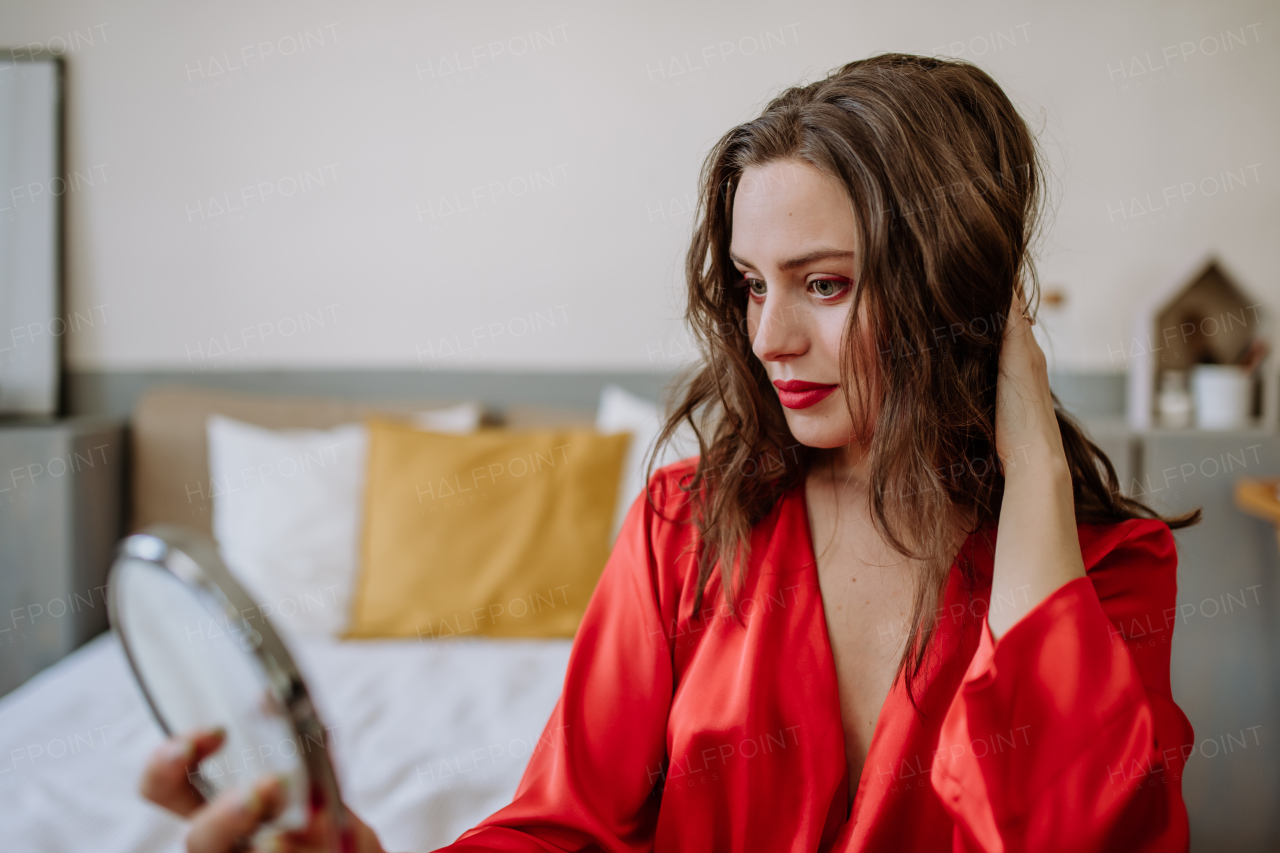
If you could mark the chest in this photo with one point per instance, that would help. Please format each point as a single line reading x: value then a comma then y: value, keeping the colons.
x: 778, y: 706
x: 866, y: 590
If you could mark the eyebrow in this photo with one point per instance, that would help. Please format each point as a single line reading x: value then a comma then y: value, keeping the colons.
x: 800, y: 260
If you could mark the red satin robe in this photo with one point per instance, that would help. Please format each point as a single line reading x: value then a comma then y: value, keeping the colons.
x: 678, y: 734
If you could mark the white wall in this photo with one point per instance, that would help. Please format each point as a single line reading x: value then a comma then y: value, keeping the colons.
x: 373, y: 248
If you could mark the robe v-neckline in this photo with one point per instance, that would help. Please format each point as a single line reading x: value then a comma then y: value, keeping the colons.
x: 896, y: 701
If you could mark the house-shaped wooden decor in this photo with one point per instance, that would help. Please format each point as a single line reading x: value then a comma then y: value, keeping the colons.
x: 1204, y: 317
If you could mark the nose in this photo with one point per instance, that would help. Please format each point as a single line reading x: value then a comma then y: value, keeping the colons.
x: 780, y: 332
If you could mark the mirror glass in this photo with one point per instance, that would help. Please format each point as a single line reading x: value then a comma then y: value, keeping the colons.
x: 205, y: 656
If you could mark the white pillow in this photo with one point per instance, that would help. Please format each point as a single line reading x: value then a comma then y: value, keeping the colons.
x: 287, y: 512
x: 622, y: 411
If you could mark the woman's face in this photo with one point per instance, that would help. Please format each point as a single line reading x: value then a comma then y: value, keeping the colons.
x: 795, y: 241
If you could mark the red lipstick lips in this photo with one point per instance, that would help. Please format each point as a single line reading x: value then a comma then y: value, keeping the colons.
x: 798, y: 394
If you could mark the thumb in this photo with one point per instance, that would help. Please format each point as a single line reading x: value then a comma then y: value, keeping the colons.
x: 235, y: 815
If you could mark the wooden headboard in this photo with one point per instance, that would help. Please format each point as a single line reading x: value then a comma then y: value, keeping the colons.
x: 170, y: 451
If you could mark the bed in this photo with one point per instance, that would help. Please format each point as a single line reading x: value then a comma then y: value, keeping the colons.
x: 428, y: 736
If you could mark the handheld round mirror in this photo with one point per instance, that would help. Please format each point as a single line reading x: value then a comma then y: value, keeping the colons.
x: 205, y: 655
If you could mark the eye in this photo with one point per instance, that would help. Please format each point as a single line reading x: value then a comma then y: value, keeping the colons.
x: 751, y: 285
x: 829, y: 288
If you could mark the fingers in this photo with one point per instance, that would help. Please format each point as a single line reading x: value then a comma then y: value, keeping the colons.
x: 1022, y: 308
x: 233, y: 816
x: 166, y: 781
x: 321, y: 836
x: 1019, y: 304
x: 1024, y: 400
x: 1022, y: 350
x: 1018, y: 315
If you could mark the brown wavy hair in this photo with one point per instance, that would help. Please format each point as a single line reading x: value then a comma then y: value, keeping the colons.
x: 946, y: 186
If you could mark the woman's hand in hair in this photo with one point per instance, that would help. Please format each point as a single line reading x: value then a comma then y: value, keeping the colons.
x: 1037, y: 549
x: 1026, y: 427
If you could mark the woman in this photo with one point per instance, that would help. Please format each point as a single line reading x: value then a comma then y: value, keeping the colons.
x: 950, y: 667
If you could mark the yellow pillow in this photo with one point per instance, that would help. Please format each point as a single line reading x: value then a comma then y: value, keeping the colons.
x: 497, y: 532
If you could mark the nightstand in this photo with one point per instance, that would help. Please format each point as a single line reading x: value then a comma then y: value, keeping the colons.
x: 61, y: 501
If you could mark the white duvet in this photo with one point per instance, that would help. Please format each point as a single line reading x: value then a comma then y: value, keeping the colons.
x: 428, y: 739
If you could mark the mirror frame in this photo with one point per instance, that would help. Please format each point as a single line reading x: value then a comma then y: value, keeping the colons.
x: 194, y: 560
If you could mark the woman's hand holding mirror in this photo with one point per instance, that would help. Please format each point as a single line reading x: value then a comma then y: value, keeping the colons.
x: 251, y: 765
x: 233, y: 817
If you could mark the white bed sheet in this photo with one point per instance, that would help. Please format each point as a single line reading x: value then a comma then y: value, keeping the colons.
x: 428, y: 737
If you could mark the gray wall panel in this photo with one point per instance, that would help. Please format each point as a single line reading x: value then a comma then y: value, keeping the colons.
x: 116, y: 392
x: 1225, y: 654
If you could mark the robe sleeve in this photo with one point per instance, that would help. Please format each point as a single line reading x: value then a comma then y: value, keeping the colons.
x: 1064, y: 735
x: 590, y: 780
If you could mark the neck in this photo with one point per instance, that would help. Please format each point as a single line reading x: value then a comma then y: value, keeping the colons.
x: 849, y: 465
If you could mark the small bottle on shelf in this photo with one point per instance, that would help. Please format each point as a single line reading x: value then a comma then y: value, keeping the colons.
x: 1174, y: 400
